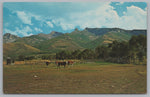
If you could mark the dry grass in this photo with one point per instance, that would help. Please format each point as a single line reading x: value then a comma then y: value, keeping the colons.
x: 81, y: 78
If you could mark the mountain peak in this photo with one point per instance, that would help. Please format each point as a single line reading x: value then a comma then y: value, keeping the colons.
x: 54, y: 33
x: 9, y: 35
x: 76, y: 29
x: 40, y: 34
x: 9, y: 38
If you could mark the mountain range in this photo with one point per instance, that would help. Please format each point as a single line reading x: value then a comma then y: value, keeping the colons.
x: 57, y: 41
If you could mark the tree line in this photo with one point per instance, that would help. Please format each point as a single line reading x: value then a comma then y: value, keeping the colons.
x: 133, y: 51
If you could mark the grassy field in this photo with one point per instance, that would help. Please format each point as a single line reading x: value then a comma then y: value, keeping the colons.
x: 91, y: 77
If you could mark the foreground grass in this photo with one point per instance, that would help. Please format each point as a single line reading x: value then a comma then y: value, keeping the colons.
x: 92, y: 77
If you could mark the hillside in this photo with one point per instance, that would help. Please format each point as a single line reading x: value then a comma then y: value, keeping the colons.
x: 16, y: 49
x: 82, y: 37
x: 88, y: 38
x: 109, y: 37
x: 56, y: 41
x: 63, y: 42
x: 36, y: 39
x: 69, y: 41
x: 7, y: 38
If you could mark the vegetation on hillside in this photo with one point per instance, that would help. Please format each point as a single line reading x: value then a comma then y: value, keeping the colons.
x: 132, y: 51
x: 14, y: 50
x: 108, y: 44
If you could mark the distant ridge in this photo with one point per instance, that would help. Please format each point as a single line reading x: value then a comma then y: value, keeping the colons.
x: 50, y: 35
x: 57, y: 41
x: 34, y: 39
x: 102, y: 31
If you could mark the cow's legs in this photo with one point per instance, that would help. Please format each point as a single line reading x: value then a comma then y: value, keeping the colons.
x: 58, y: 66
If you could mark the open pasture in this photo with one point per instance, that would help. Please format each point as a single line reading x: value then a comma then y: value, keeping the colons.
x: 91, y: 77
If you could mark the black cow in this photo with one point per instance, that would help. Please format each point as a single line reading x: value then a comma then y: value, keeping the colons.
x: 8, y: 60
x: 47, y: 63
x: 61, y: 64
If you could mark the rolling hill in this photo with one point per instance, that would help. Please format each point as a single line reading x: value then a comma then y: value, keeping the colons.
x: 16, y: 49
x: 56, y: 41
x: 63, y: 42
x: 88, y: 38
x: 36, y: 39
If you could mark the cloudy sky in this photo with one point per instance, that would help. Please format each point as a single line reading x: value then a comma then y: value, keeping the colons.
x: 29, y: 18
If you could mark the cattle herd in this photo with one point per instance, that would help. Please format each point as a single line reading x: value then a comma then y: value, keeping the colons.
x: 61, y: 63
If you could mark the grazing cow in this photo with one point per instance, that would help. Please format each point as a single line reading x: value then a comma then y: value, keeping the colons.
x: 61, y: 64
x: 8, y: 60
x: 47, y: 63
x: 70, y: 63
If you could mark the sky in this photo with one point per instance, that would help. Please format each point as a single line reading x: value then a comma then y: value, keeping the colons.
x: 30, y: 18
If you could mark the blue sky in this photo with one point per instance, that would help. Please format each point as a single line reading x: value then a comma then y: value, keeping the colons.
x: 29, y: 18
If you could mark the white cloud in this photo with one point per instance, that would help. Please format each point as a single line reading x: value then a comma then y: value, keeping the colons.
x: 105, y: 15
x: 9, y: 31
x: 37, y: 17
x: 26, y: 31
x: 66, y: 26
x: 38, y: 29
x: 49, y: 24
x: 24, y: 17
x: 134, y: 18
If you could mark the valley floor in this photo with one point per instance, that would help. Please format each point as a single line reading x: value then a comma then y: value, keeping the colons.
x: 88, y: 78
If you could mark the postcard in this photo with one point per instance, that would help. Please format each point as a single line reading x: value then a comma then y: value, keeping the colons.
x: 75, y: 47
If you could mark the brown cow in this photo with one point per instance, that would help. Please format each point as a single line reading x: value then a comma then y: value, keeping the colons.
x: 70, y: 62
